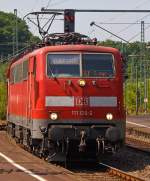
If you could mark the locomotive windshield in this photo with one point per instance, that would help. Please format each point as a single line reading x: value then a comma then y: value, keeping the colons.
x: 63, y: 65
x: 97, y: 65
x: 80, y: 65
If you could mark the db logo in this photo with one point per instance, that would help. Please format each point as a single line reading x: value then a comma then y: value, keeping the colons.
x: 81, y: 101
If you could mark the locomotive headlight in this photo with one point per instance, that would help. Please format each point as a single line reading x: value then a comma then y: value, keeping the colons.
x: 82, y: 83
x: 53, y: 116
x: 109, y: 116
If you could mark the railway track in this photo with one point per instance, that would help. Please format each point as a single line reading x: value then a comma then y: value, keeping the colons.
x: 108, y: 172
x: 104, y: 172
x: 101, y: 173
x: 139, y: 132
x: 138, y: 138
x: 138, y: 144
x: 133, y: 161
x: 116, y: 172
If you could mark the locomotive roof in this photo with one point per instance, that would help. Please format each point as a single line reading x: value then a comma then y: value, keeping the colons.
x: 68, y: 48
x: 80, y: 47
x: 72, y: 48
x: 65, y: 42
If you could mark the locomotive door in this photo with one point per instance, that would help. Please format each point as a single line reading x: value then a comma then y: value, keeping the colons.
x: 30, y: 88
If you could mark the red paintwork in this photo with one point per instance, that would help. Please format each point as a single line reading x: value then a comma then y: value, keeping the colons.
x: 27, y: 98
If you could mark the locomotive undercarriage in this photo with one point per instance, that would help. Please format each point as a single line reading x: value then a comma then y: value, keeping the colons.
x: 85, y: 143
x: 63, y: 143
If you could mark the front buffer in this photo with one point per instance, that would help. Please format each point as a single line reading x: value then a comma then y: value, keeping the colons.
x: 81, y: 142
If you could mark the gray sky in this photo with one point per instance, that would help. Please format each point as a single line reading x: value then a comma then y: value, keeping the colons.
x: 83, y: 20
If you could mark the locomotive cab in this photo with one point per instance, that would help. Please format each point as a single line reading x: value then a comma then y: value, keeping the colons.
x: 82, y: 99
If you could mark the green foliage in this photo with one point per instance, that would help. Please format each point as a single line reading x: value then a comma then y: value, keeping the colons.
x: 115, y: 44
x: 3, y: 90
x: 130, y: 97
x: 3, y: 95
x: 134, y: 97
x: 126, y: 49
x: 7, y: 31
x: 3, y: 70
x: 25, y: 37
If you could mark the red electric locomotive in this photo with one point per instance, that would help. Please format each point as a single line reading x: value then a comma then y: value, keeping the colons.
x: 65, y: 100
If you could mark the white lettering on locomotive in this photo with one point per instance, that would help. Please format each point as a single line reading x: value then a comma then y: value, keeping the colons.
x: 82, y: 113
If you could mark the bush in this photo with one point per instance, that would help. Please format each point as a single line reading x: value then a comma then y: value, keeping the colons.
x: 3, y: 95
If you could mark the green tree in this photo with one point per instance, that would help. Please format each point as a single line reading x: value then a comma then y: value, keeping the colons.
x: 3, y: 90
x: 3, y: 71
x: 25, y: 37
x: 3, y: 100
x: 7, y: 25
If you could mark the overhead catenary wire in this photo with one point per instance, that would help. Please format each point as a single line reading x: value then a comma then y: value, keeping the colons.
x: 141, y: 3
x: 124, y: 29
x: 58, y: 3
x: 130, y: 25
x: 112, y: 34
x: 48, y: 3
x: 93, y: 23
x: 127, y: 41
x: 138, y: 33
x: 123, y: 14
x: 122, y: 23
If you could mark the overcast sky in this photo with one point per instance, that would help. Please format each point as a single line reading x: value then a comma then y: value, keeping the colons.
x: 83, y: 20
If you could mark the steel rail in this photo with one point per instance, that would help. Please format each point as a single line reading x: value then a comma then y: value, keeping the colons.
x: 138, y: 144
x: 124, y: 175
x: 138, y: 132
x: 108, y: 170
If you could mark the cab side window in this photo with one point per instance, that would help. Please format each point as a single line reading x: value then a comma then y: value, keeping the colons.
x: 25, y: 70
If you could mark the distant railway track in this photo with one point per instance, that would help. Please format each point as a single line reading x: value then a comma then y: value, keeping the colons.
x: 138, y: 144
x: 135, y: 137
x: 138, y: 132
